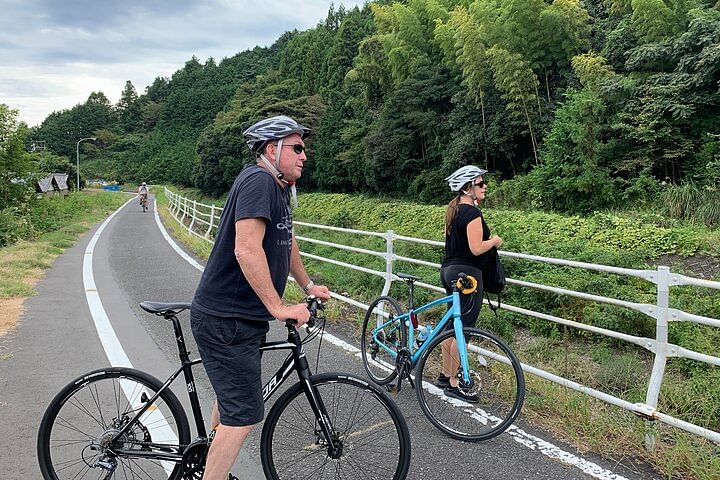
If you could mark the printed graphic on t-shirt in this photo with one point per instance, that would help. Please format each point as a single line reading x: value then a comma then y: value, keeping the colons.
x: 285, y: 225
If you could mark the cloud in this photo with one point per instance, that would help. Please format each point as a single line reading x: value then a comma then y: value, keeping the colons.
x: 54, y: 54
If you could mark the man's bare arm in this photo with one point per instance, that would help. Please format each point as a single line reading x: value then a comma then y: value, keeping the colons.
x: 251, y: 257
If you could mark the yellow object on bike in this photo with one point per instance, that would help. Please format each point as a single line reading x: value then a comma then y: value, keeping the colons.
x: 465, y: 289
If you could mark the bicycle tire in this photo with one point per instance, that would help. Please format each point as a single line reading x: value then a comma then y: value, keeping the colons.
x: 499, y: 386
x: 378, y: 363
x: 72, y: 427
x: 369, y: 425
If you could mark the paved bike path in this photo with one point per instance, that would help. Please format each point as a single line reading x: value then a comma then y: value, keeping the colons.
x: 57, y: 341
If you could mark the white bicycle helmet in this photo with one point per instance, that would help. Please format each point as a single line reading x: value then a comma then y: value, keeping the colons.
x: 463, y: 175
x: 274, y: 128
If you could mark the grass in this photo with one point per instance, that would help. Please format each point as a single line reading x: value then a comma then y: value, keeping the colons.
x: 24, y: 262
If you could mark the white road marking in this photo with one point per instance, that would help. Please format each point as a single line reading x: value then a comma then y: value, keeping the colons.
x: 169, y: 239
x: 519, y: 435
x: 161, y: 431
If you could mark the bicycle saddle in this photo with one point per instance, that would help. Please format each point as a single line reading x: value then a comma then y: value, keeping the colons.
x: 407, y: 277
x: 159, y: 308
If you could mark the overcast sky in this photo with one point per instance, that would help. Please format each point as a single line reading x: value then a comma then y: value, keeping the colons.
x: 54, y: 53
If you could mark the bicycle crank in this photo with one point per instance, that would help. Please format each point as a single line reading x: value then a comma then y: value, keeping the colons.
x: 403, y: 365
x: 193, y: 459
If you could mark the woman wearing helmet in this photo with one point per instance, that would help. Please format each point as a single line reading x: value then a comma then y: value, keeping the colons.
x: 467, y: 240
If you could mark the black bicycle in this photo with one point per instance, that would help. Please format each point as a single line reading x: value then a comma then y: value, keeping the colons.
x: 124, y: 423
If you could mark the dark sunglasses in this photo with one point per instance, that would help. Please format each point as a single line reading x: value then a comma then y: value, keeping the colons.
x: 297, y: 148
x: 481, y: 184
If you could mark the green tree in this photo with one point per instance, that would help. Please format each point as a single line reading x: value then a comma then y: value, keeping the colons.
x: 15, y: 164
x: 518, y: 85
x: 129, y: 109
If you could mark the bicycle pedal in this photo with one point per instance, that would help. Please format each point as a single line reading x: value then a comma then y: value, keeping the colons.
x: 391, y: 388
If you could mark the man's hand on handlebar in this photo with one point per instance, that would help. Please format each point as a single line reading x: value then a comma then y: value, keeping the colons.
x: 320, y: 291
x: 298, y: 312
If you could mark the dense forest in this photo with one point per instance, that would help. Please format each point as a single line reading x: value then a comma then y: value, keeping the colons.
x: 575, y: 105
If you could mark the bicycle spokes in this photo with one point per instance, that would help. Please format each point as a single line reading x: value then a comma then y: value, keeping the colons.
x: 365, y: 432
x: 383, y: 336
x: 481, y: 408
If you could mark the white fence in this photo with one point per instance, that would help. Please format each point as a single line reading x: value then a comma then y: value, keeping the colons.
x: 202, y: 220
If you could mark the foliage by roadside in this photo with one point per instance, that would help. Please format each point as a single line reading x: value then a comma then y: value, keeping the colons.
x: 36, y: 216
x: 24, y: 261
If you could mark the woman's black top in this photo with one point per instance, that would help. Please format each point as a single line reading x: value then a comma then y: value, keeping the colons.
x: 457, y: 247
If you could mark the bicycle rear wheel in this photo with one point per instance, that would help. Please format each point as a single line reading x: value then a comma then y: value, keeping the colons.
x: 496, y: 378
x: 378, y: 362
x: 366, y: 424
x: 74, y: 439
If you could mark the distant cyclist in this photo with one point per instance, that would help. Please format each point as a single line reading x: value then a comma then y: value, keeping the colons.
x: 467, y: 241
x: 143, y: 193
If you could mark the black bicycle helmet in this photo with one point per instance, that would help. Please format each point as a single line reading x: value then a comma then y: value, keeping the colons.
x: 274, y: 128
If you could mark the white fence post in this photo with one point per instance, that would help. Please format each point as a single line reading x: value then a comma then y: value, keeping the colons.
x: 212, y: 219
x: 389, y: 259
x: 184, y: 211
x: 661, y: 350
x: 194, y: 214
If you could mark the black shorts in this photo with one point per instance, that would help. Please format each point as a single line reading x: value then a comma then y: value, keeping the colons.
x: 469, y: 304
x: 230, y: 351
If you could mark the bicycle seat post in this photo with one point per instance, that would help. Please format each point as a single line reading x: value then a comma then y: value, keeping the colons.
x: 411, y: 295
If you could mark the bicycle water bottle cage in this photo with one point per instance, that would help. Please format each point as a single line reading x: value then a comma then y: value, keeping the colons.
x: 467, y: 284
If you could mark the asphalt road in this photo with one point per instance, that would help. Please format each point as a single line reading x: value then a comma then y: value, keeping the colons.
x: 57, y: 340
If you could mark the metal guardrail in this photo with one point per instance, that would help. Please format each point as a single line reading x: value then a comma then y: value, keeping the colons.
x: 194, y: 215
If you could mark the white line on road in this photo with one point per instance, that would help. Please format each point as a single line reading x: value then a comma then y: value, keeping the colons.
x: 162, y: 432
x: 113, y: 349
x: 519, y: 435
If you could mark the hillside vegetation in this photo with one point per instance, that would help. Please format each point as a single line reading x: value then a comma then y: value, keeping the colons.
x: 581, y: 105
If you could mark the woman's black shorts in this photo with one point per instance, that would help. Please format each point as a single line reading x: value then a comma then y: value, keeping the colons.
x: 469, y: 304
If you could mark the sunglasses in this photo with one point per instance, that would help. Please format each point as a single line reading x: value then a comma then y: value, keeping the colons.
x: 298, y: 148
x: 481, y: 184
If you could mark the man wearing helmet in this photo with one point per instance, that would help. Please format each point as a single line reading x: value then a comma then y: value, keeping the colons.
x: 467, y: 241
x: 243, y: 282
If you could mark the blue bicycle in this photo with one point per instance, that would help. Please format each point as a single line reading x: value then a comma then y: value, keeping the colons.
x: 469, y: 383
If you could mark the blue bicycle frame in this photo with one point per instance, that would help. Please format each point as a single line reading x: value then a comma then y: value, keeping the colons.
x: 405, y: 322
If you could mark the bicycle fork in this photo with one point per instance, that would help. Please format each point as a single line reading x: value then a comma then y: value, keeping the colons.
x: 460, y: 338
x: 326, y: 431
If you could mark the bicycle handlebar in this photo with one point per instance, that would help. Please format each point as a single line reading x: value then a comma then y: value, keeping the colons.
x: 313, y: 305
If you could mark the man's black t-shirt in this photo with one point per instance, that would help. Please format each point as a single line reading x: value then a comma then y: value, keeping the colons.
x: 457, y: 247
x: 223, y: 290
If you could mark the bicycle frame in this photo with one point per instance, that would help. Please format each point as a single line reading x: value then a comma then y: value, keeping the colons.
x: 296, y: 360
x: 405, y: 320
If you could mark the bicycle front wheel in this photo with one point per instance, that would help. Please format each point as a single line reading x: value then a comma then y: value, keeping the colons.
x: 366, y: 424
x: 497, y: 381
x: 379, y: 354
x: 76, y: 433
